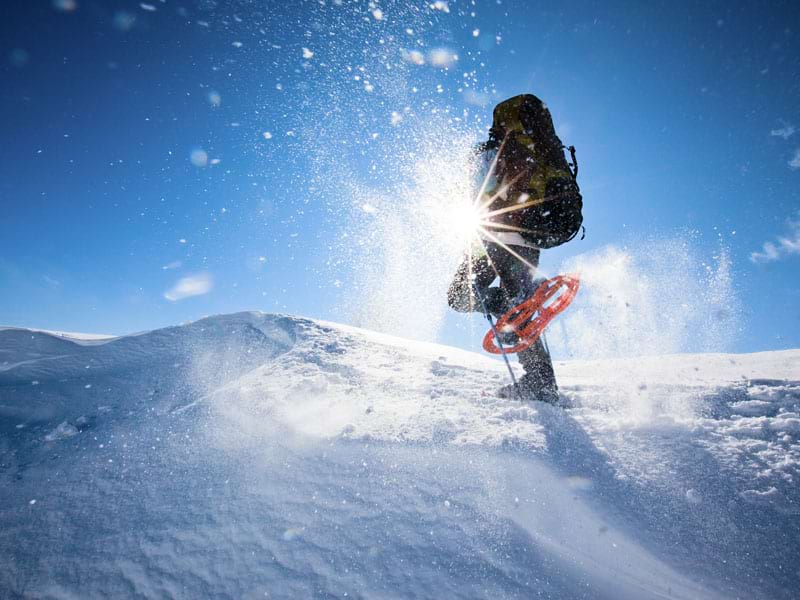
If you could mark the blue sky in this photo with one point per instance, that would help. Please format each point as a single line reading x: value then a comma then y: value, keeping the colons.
x: 220, y: 143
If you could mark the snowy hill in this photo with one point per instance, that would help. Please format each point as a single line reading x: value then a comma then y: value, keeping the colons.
x: 255, y: 455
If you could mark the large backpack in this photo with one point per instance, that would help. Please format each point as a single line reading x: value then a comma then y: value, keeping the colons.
x: 536, y: 183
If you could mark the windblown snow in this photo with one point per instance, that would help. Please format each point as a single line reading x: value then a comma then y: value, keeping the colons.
x: 257, y: 455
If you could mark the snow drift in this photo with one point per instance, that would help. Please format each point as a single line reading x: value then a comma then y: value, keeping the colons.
x: 257, y: 455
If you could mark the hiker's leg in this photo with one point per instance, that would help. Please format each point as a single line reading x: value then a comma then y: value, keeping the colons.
x: 516, y: 268
x: 517, y: 275
x: 539, y: 376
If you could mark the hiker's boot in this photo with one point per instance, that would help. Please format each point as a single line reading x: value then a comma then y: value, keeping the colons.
x: 539, y: 381
x: 529, y: 389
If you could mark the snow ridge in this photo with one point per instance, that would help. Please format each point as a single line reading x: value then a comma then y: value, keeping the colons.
x: 254, y: 453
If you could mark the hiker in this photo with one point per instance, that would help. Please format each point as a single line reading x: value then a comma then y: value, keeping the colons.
x: 529, y: 200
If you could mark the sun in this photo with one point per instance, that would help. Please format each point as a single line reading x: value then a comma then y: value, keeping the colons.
x: 478, y: 222
x: 467, y: 220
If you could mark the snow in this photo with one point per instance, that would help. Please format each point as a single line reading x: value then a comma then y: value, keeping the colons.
x: 255, y: 454
x: 64, y: 430
x: 76, y: 337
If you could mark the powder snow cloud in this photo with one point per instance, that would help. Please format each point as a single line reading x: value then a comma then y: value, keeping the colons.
x: 186, y: 287
x: 784, y: 246
x: 784, y: 132
x: 795, y: 162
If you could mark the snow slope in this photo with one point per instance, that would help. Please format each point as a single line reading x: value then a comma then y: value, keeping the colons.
x: 257, y: 455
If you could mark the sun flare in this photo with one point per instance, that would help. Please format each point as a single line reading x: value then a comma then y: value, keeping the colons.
x: 468, y: 221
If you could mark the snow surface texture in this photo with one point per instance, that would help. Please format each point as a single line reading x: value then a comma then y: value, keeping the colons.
x: 255, y: 455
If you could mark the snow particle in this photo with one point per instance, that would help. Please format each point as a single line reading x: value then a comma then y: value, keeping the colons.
x: 693, y: 497
x: 784, y: 132
x: 199, y: 157
x: 65, y: 5
x: 292, y: 533
x: 414, y: 57
x: 123, y: 21
x: 267, y: 135
x: 307, y: 53
x: 795, y: 162
x: 147, y: 7
x: 187, y: 287
x: 442, y: 57
x: 64, y: 430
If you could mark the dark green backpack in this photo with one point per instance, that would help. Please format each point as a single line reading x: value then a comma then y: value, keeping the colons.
x: 542, y: 195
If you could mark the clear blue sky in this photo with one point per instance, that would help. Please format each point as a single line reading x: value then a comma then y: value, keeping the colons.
x: 134, y: 150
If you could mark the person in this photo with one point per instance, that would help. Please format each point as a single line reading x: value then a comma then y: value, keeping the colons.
x: 529, y: 200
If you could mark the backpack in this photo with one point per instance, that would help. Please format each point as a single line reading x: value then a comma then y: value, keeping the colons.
x: 537, y: 188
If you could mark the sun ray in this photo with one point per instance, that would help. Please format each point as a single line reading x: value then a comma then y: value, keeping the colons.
x: 507, y: 248
x: 470, y: 272
x: 520, y: 206
x: 484, y: 224
x: 486, y: 204
x: 492, y: 226
x: 489, y: 174
x: 488, y: 258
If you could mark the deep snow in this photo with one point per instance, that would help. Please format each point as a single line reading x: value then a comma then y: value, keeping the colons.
x: 258, y: 455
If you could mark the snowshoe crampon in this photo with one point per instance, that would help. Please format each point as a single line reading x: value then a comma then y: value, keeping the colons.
x: 529, y: 319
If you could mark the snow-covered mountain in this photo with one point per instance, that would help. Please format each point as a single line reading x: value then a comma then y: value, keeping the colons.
x: 256, y: 455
